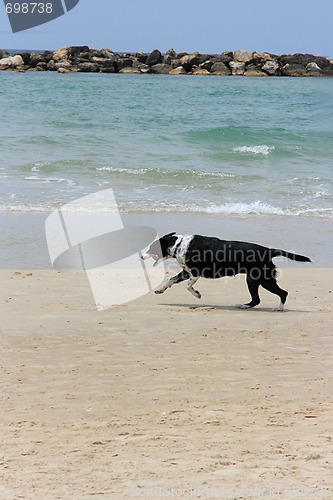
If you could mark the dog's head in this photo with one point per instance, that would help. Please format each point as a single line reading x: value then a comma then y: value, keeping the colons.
x: 159, y: 250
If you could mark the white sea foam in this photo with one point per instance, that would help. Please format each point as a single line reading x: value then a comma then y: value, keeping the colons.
x: 262, y: 149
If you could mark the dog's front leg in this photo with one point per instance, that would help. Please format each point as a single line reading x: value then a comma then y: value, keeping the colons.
x: 183, y: 275
x: 190, y: 288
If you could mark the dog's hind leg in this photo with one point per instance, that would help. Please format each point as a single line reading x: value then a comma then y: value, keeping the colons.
x: 272, y: 286
x: 190, y: 288
x: 253, y: 286
x: 182, y: 276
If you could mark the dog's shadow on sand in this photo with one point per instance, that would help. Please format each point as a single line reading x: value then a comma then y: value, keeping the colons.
x: 212, y: 307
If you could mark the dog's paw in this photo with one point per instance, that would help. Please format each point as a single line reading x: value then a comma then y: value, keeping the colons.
x: 197, y: 294
x: 161, y: 290
x: 242, y: 306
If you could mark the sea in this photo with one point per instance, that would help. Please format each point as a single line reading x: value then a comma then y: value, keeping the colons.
x: 240, y: 158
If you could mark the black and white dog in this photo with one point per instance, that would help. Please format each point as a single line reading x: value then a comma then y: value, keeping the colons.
x: 209, y: 257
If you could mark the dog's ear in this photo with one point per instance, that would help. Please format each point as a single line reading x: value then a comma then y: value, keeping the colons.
x: 167, y: 235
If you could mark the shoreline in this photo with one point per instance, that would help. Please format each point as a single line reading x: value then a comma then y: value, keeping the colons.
x: 165, y: 391
x: 25, y: 245
x: 238, y: 63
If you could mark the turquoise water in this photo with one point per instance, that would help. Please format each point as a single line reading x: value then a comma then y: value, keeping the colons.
x: 168, y: 144
x: 240, y: 149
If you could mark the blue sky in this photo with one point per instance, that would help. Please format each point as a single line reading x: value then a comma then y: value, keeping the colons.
x: 209, y: 26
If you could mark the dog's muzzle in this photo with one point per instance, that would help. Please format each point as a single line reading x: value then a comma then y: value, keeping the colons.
x: 153, y: 256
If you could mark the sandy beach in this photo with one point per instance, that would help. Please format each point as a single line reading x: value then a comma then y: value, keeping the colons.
x: 166, y: 396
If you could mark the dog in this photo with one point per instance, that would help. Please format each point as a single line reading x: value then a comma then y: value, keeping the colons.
x: 210, y: 257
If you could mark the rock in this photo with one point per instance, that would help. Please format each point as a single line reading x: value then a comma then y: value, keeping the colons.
x: 199, y: 71
x: 226, y: 57
x: 104, y: 65
x: 219, y: 68
x: 51, y: 65
x: 62, y: 64
x: 42, y: 66
x: 141, y: 57
x: 313, y: 69
x: 76, y: 50
x: 64, y: 70
x: 144, y: 68
x: 109, y: 54
x: 154, y: 57
x: 271, y: 68
x: 35, y: 58
x: 294, y: 70
x: 26, y: 57
x: 254, y: 70
x: 3, y: 54
x: 178, y: 71
x: 261, y: 58
x: 243, y: 56
x: 237, y: 67
x: 47, y: 56
x: 322, y: 62
x: 60, y: 54
x: 130, y: 70
x: 172, y: 53
x: 161, y: 69
x: 189, y: 60
x: 11, y: 62
x: 124, y: 62
x: 328, y: 70
x: 5, y: 63
x: 87, y: 67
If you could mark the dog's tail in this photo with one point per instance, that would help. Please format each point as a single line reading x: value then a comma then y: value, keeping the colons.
x: 291, y: 256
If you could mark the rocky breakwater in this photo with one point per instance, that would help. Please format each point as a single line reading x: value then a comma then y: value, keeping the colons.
x: 240, y: 62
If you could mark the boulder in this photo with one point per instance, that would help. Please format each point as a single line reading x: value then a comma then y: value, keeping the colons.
x: 189, y: 60
x: 26, y: 57
x: 313, y: 69
x: 271, y: 68
x: 124, y: 62
x: 178, y: 71
x: 296, y: 59
x: 144, y: 68
x: 60, y: 54
x: 64, y: 70
x: 76, y: 50
x: 87, y: 67
x: 322, y: 62
x: 294, y: 70
x: 141, y: 57
x: 42, y: 66
x: 51, y: 65
x: 161, y: 69
x: 261, y: 58
x: 130, y: 70
x: 154, y: 57
x: 3, y: 53
x: 254, y: 70
x: 62, y: 64
x: 11, y: 62
x: 104, y: 65
x: 196, y: 70
x: 226, y: 57
x: 219, y: 68
x: 237, y: 68
x: 35, y: 58
x: 243, y: 56
x: 171, y: 53
x: 48, y: 55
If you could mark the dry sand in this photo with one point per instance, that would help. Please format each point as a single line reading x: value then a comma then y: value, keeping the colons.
x: 166, y: 391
